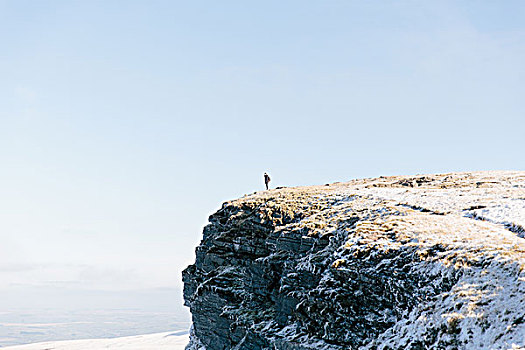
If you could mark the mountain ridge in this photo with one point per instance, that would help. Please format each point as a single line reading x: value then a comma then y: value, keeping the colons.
x: 397, y: 262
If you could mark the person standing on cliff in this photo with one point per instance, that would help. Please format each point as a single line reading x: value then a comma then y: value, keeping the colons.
x: 266, y: 180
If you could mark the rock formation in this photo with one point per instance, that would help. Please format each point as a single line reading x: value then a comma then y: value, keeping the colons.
x: 419, y: 262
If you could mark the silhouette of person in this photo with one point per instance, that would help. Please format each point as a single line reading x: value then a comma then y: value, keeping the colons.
x: 266, y: 180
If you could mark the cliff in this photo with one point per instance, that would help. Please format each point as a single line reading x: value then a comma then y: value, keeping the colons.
x: 419, y: 262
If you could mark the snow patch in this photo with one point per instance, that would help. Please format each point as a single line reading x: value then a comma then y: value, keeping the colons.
x: 158, y: 341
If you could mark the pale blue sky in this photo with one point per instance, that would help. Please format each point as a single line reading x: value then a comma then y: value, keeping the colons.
x: 124, y: 124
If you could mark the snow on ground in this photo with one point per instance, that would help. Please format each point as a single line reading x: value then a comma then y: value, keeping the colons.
x: 35, y: 325
x: 490, y: 198
x: 158, y: 341
x: 479, y: 219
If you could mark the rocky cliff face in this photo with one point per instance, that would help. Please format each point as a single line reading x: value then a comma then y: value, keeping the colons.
x: 423, y: 262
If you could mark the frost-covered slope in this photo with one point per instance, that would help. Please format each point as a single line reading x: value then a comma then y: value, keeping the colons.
x: 158, y: 341
x: 431, y: 261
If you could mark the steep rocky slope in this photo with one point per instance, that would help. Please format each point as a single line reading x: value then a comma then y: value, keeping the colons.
x: 420, y: 262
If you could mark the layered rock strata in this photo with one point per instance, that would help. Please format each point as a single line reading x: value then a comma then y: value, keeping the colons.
x: 419, y: 262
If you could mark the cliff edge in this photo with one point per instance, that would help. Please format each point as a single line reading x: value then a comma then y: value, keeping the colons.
x: 403, y: 262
